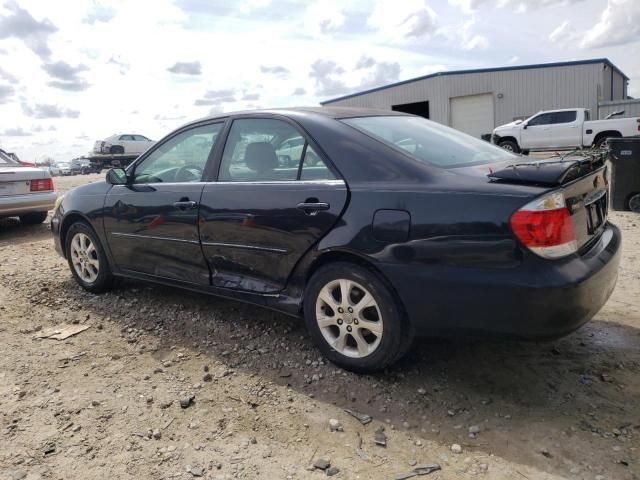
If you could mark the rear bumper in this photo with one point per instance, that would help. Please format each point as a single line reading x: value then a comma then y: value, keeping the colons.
x: 536, y: 300
x: 13, y: 205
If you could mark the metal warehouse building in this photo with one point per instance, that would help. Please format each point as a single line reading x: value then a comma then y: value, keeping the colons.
x: 476, y: 101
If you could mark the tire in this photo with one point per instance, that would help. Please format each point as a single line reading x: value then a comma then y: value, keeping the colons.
x: 33, y: 218
x: 390, y: 336
x: 633, y: 203
x: 600, y: 143
x: 91, y: 269
x: 116, y: 149
x: 524, y: 152
x: 510, y: 146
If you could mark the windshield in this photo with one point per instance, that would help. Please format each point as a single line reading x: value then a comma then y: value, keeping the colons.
x: 5, y: 161
x: 430, y: 142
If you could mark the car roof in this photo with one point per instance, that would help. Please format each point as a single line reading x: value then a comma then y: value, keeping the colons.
x: 330, y: 112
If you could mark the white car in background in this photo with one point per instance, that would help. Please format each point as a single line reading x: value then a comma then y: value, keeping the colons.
x: 25, y: 192
x: 64, y: 168
x: 127, y: 144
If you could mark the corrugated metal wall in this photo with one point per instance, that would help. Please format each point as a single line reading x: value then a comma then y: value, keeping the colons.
x: 631, y: 108
x: 524, y: 92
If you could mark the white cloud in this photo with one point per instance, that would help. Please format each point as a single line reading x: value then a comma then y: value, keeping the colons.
x: 401, y: 20
x: 323, y: 18
x: 563, y: 34
x: 520, y: 6
x: 619, y: 24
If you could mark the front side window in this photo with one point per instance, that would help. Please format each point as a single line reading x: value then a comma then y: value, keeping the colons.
x: 430, y: 142
x: 182, y: 158
x: 565, y: 117
x: 542, y: 119
x: 269, y: 150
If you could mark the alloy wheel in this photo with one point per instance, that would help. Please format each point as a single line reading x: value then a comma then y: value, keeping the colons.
x: 349, y: 318
x: 84, y: 258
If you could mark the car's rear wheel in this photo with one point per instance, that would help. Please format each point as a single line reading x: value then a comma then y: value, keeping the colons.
x: 116, y: 149
x: 87, y: 259
x: 354, y: 318
x: 33, y: 218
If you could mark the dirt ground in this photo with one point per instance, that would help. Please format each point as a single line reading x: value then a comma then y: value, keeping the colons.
x: 106, y: 403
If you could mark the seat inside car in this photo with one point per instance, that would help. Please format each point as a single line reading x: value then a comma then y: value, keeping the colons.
x: 261, y: 158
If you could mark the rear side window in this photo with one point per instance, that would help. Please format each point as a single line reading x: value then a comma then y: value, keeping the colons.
x: 269, y: 150
x: 564, y: 117
x: 430, y: 142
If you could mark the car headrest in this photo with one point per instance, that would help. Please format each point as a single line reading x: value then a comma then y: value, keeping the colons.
x: 261, y: 156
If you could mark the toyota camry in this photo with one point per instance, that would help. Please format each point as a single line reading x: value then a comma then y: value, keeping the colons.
x: 379, y: 226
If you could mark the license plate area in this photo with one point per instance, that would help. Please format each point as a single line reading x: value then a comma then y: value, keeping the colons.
x: 597, y: 207
x: 7, y: 188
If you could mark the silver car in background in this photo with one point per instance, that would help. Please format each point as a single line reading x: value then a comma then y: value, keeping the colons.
x: 123, y: 144
x: 25, y: 192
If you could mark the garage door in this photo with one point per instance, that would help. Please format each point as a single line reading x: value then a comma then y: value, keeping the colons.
x: 473, y: 114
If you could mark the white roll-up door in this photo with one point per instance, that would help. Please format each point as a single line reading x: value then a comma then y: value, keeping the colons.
x: 473, y: 114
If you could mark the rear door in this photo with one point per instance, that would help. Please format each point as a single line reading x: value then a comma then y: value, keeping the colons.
x: 537, y: 133
x: 151, y: 225
x: 263, y: 214
x: 566, y: 131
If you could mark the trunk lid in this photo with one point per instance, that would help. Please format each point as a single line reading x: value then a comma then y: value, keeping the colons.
x: 583, y: 179
x: 17, y: 180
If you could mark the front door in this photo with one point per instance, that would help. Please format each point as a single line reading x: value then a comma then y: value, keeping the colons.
x: 151, y: 224
x: 271, y: 204
x: 538, y: 132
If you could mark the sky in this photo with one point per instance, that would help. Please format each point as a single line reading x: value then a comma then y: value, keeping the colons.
x: 77, y: 71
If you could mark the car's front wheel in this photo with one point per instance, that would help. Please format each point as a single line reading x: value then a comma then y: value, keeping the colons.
x: 87, y: 259
x: 510, y: 146
x: 354, y: 318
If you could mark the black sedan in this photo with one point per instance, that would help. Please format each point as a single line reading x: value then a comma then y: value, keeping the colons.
x: 373, y: 226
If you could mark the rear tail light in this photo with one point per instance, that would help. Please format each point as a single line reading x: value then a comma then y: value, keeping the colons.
x: 41, y: 185
x: 544, y: 226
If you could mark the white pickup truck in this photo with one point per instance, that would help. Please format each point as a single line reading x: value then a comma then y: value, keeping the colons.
x: 561, y: 129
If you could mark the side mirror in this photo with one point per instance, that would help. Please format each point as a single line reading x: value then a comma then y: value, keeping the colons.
x: 524, y: 126
x: 117, y: 176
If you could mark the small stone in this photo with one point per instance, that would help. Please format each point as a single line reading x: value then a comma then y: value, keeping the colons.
x: 422, y: 391
x: 380, y: 438
x: 207, y: 377
x: 196, y: 471
x: 483, y: 467
x: 418, y: 443
x: 185, y: 402
x: 157, y: 434
x: 331, y: 471
x: 322, y: 463
x: 206, y: 368
x: 335, y: 425
x: 413, y: 463
x: 546, y: 453
x: 166, y: 404
x: 474, y: 429
x: 455, y: 448
x: 95, y: 403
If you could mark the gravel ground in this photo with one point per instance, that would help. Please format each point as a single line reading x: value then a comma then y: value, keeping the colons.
x: 260, y: 402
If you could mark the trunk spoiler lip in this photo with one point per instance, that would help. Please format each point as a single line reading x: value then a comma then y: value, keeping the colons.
x: 553, y: 172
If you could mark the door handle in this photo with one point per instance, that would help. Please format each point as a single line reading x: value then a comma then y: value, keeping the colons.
x: 184, y: 204
x: 312, y: 208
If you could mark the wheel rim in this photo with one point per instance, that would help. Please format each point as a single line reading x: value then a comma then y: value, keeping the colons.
x: 507, y: 147
x: 634, y: 203
x: 84, y: 257
x: 349, y: 318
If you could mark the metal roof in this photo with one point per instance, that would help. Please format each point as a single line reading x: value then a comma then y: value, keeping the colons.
x: 606, y: 61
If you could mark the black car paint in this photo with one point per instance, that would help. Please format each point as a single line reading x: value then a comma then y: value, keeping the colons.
x: 456, y: 266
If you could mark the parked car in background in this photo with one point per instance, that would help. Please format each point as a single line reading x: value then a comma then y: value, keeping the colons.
x: 53, y: 169
x: 64, y: 168
x: 562, y: 129
x: 399, y: 226
x: 81, y: 166
x: 25, y: 192
x: 127, y: 144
